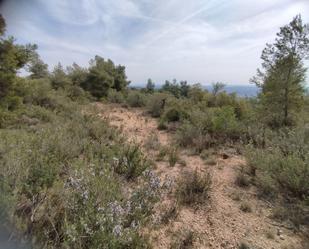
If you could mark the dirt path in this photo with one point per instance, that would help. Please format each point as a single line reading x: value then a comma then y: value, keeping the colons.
x: 220, y: 223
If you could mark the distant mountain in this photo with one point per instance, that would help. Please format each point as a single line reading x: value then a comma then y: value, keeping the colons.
x: 241, y: 90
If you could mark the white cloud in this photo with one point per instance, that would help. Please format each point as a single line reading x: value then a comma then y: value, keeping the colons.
x: 198, y: 40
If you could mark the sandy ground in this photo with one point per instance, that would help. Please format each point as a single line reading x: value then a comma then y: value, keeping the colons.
x: 220, y: 223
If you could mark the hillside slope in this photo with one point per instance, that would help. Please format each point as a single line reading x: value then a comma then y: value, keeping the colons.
x: 232, y: 215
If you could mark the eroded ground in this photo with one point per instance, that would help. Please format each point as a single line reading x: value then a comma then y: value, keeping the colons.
x: 220, y: 223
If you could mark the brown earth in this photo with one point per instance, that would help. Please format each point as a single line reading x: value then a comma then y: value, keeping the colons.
x: 220, y: 223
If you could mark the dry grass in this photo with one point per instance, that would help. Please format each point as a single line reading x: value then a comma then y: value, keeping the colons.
x: 194, y: 188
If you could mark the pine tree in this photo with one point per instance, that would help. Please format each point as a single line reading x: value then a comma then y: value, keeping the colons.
x: 59, y: 78
x: 217, y: 87
x: 150, y: 86
x: 38, y: 68
x: 12, y: 58
x: 282, y: 79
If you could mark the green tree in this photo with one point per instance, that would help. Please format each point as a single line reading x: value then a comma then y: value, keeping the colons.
x: 283, y: 75
x: 196, y: 93
x: 77, y: 74
x: 150, y: 86
x: 38, y: 68
x: 184, y: 88
x: 172, y: 87
x: 99, y: 79
x: 102, y: 76
x: 12, y: 58
x: 217, y: 87
x: 2, y: 25
x: 120, y: 78
x: 59, y: 78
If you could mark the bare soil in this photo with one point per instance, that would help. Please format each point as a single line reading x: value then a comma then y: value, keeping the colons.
x: 220, y: 223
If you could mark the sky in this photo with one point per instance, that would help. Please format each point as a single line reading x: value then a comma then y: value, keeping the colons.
x: 201, y: 41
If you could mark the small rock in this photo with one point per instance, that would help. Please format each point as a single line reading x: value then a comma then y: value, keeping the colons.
x: 281, y: 237
x: 279, y: 232
x: 225, y: 156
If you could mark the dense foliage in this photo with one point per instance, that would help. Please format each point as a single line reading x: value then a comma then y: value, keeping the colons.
x: 270, y: 130
x: 283, y: 79
x: 62, y: 169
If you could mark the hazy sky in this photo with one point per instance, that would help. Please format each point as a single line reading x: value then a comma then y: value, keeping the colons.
x: 195, y: 40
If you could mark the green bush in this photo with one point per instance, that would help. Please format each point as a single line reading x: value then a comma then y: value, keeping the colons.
x: 290, y: 172
x: 13, y: 102
x: 136, y: 99
x: 187, y: 133
x: 224, y: 121
x: 115, y: 96
x: 156, y: 103
x: 282, y: 168
x: 60, y: 186
x: 36, y: 91
x: 173, y: 156
x: 77, y: 93
x: 132, y: 162
x: 7, y: 118
x: 172, y: 114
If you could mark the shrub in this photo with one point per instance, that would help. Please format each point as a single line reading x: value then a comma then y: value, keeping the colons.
x: 225, y: 122
x: 76, y: 93
x: 136, y: 99
x: 36, y: 91
x: 156, y: 103
x: 169, y: 214
x: 267, y: 186
x: 7, y: 118
x: 281, y: 169
x: 152, y: 142
x: 296, y: 213
x: 246, y: 207
x: 173, y: 156
x: 211, y: 161
x: 182, y: 162
x: 60, y: 186
x: 12, y: 103
x: 290, y: 172
x: 269, y: 234
x: 186, y: 134
x: 162, y: 153
x: 193, y: 136
x: 243, y: 245
x: 115, y: 96
x: 172, y: 114
x: 184, y: 240
x: 242, y: 180
x: 132, y: 163
x: 194, y: 188
x: 162, y: 125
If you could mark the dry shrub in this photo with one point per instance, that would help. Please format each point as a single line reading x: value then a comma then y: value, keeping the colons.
x: 194, y: 188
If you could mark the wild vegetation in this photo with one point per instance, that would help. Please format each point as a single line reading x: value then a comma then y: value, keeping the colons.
x: 69, y: 180
x: 271, y: 130
x: 63, y: 169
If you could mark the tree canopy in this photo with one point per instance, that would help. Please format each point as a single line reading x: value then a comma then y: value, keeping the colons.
x: 283, y: 74
x: 12, y: 58
x: 103, y: 75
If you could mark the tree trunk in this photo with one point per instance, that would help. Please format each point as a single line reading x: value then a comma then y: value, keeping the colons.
x: 286, y: 97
